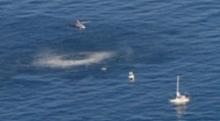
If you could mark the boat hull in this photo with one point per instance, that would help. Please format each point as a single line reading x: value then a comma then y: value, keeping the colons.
x: 180, y: 101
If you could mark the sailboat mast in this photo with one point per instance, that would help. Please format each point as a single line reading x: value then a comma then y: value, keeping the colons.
x: 177, y: 85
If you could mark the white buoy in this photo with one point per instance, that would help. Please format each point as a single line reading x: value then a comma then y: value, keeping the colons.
x: 131, y: 76
x: 179, y: 99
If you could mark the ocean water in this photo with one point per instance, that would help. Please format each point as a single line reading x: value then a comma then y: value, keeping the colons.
x: 50, y: 71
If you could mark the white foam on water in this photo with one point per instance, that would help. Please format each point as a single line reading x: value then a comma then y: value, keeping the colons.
x: 61, y: 61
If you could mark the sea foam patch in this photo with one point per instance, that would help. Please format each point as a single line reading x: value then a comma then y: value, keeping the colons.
x: 71, y: 60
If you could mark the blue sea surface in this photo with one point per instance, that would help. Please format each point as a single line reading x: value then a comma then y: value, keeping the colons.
x: 50, y: 71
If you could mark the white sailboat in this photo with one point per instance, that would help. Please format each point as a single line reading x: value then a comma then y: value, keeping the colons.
x: 179, y: 99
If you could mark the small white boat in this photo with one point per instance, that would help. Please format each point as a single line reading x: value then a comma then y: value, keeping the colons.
x: 104, y: 68
x: 131, y: 76
x: 179, y: 99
